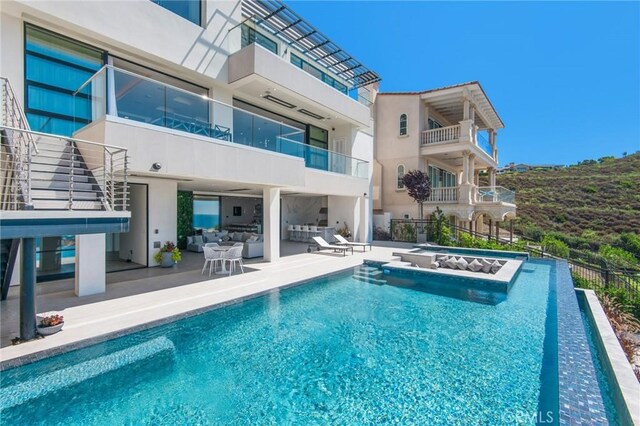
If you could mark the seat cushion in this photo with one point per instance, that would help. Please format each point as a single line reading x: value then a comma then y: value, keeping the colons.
x: 451, y: 262
x: 475, y: 265
x: 462, y: 264
x: 486, y: 265
x: 237, y: 236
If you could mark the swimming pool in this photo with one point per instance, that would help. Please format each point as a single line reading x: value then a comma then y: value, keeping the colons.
x: 341, y: 349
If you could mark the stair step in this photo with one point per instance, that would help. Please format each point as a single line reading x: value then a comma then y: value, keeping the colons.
x: 64, y: 205
x: 61, y: 177
x: 62, y: 185
x: 368, y: 268
x: 53, y: 194
x: 369, y: 280
x: 370, y: 273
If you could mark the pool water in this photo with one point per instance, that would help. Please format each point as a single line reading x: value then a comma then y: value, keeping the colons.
x: 337, y: 350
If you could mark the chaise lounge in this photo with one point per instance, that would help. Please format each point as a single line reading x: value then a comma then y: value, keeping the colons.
x: 321, y: 244
x: 343, y: 241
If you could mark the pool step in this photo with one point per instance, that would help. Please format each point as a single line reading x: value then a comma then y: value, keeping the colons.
x: 370, y: 275
x: 46, y: 383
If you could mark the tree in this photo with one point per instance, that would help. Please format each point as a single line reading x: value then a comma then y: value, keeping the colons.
x: 418, y: 185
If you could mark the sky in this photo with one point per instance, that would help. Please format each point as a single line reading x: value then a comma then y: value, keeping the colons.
x: 563, y: 76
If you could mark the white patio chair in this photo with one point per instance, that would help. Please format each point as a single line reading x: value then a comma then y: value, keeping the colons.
x: 290, y: 232
x: 233, y: 256
x: 212, y: 245
x: 313, y: 231
x: 297, y: 232
x: 211, y: 257
x: 305, y: 233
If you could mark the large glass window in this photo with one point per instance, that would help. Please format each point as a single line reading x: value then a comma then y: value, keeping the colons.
x: 318, y: 154
x: 320, y: 75
x: 55, y: 67
x: 250, y: 36
x: 206, y: 212
x: 433, y: 124
x: 441, y: 178
x: 188, y: 9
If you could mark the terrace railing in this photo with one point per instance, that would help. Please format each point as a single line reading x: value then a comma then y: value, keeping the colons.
x: 495, y: 194
x: 444, y: 194
x: 483, y: 143
x: 441, y: 135
x: 120, y: 93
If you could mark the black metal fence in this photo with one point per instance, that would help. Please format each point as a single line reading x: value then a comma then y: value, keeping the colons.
x: 587, y: 270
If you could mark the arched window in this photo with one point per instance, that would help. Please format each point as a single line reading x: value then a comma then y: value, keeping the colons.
x: 400, y: 175
x: 403, y: 124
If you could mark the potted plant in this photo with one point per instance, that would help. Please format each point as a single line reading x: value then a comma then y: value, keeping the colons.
x: 168, y: 255
x: 344, y: 232
x: 50, y: 324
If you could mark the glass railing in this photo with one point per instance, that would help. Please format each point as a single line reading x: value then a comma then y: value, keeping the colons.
x: 116, y: 92
x: 483, y: 143
x: 248, y: 33
x: 495, y: 194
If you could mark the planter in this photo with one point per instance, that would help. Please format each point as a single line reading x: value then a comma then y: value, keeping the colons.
x: 47, y: 331
x: 167, y: 261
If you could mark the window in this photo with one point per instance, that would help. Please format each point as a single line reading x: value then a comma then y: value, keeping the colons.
x: 188, y: 9
x: 433, y: 124
x: 441, y: 178
x: 206, y: 212
x: 400, y: 175
x: 403, y: 124
x: 55, y: 67
x: 320, y: 75
x: 250, y: 36
x: 317, y: 156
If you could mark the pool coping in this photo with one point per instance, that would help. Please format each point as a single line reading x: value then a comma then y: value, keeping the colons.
x: 469, y: 249
x: 625, y: 379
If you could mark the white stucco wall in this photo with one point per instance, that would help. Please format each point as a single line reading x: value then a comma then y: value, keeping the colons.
x: 163, y: 207
x: 135, y: 242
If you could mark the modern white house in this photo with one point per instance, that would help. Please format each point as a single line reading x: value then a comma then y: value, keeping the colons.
x: 451, y: 134
x: 238, y: 115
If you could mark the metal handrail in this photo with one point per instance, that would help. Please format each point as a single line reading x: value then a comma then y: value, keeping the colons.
x: 105, y: 167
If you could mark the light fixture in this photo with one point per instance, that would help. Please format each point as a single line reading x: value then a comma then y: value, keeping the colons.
x: 278, y: 101
x: 310, y: 114
x: 156, y: 166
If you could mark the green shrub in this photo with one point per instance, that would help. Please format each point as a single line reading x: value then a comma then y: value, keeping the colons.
x: 555, y: 246
x: 631, y: 243
x: 617, y: 257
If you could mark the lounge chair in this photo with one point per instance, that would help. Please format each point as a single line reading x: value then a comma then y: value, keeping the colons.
x: 343, y: 241
x: 321, y: 244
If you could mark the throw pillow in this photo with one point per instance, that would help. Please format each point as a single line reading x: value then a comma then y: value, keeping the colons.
x: 237, y: 236
x: 209, y: 237
x: 486, y: 265
x: 475, y: 266
x: 495, y: 267
x: 226, y: 238
x: 442, y: 261
x: 198, y: 239
x: 252, y: 239
x: 223, y: 233
x: 462, y: 263
x: 189, y: 241
x: 451, y: 262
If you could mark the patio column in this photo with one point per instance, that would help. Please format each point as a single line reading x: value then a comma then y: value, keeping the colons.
x: 465, y: 167
x: 90, y: 277
x: 472, y: 170
x: 28, y: 290
x: 465, y: 109
x: 271, y: 202
x: 492, y: 177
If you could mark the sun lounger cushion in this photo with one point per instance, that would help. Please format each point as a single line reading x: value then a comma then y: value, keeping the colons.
x: 451, y: 262
x: 475, y: 266
x: 461, y: 263
x: 442, y: 261
x: 495, y: 267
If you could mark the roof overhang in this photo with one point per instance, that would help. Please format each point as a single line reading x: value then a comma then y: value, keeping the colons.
x: 281, y: 21
x: 449, y: 102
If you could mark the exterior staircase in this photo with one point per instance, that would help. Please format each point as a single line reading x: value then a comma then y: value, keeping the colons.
x: 369, y: 274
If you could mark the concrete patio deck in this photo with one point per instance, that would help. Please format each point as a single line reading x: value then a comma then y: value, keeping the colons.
x: 150, y: 296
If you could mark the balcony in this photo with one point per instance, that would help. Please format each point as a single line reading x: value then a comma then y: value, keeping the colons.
x: 119, y: 93
x: 444, y: 195
x: 457, y: 137
x: 494, y: 195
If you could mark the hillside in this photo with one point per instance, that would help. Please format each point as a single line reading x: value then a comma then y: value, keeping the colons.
x: 603, y: 197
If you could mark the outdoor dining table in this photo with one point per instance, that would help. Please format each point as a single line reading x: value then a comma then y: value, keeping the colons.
x: 223, y: 270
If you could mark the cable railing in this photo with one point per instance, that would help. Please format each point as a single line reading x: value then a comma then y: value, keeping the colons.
x: 120, y: 93
x: 17, y: 148
x: 66, y: 174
